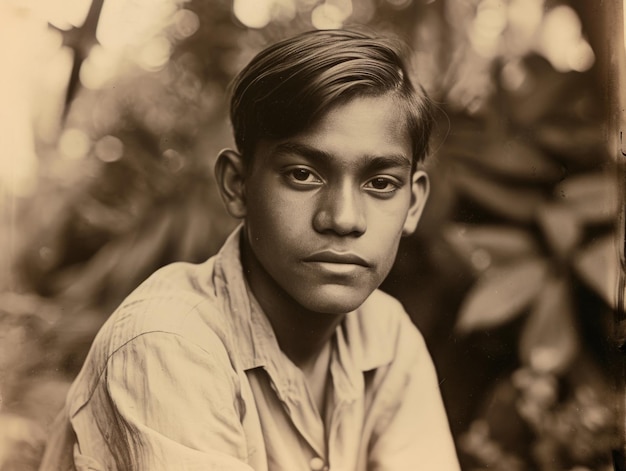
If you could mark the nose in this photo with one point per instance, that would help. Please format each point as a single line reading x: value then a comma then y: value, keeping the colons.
x: 341, y: 210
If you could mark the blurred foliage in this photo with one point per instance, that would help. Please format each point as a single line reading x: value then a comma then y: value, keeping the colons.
x: 510, y: 277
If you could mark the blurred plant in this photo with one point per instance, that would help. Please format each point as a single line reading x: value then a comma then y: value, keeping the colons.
x: 140, y: 193
x: 518, y: 270
x: 536, y: 201
x: 574, y: 431
x: 33, y: 382
x: 125, y: 186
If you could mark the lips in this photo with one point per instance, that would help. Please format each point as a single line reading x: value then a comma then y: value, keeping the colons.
x: 340, y: 258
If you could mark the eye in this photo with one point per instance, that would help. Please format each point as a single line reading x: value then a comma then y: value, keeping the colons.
x: 302, y: 176
x: 382, y: 185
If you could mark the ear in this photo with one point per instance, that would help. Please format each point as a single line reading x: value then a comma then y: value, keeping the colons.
x: 230, y: 175
x: 420, y: 187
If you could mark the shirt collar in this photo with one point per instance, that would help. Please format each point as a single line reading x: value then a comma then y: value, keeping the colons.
x: 257, y: 345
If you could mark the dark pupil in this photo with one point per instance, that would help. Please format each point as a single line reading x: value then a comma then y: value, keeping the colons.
x: 379, y: 183
x: 301, y: 174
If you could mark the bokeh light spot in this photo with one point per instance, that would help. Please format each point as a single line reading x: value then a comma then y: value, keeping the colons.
x: 253, y: 13
x: 174, y: 161
x: 581, y: 56
x: 186, y: 23
x: 514, y: 75
x: 561, y: 41
x: 125, y: 24
x: 109, y: 149
x: 155, y: 54
x: 99, y: 67
x: 74, y: 144
x: 331, y: 15
x: 488, y: 26
x: 481, y: 259
x: 544, y: 359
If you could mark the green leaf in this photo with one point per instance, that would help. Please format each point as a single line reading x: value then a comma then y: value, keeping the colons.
x: 598, y: 266
x: 501, y: 294
x: 549, y: 340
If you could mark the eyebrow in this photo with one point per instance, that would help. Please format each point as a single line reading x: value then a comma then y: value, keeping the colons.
x: 372, y: 162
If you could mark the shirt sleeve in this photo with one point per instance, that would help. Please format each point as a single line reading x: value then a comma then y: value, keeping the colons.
x: 164, y: 403
x: 412, y: 431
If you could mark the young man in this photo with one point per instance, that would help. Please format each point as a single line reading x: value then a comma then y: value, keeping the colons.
x: 279, y: 353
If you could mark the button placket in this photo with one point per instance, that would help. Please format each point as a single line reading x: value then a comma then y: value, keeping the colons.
x: 318, y: 464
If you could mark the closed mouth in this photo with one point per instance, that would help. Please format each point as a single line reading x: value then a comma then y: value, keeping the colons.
x: 330, y: 256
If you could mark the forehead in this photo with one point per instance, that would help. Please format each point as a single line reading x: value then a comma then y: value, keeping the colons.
x: 368, y: 126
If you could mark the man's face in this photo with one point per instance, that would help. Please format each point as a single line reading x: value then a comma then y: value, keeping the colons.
x: 325, y: 209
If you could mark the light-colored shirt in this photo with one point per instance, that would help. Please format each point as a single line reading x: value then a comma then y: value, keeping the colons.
x: 187, y: 375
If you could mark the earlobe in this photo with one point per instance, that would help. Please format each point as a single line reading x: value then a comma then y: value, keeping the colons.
x: 230, y: 176
x: 420, y: 188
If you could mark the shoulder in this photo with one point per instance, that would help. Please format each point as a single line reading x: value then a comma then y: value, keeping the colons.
x: 381, y: 330
x: 176, y: 306
x: 179, y: 299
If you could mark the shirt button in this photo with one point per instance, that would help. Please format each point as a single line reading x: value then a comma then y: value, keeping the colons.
x: 317, y: 464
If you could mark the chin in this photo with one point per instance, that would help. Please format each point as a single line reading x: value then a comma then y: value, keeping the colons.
x: 334, y: 299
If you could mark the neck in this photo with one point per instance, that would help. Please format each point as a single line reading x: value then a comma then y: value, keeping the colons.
x: 301, y: 333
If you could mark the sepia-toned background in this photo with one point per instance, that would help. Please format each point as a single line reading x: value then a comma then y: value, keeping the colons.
x: 113, y: 111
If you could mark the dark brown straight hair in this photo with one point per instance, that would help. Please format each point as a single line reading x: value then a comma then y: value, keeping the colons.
x: 291, y: 84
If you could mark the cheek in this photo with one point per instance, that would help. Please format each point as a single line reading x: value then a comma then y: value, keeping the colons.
x: 274, y: 218
x: 389, y: 256
x: 387, y: 223
x: 384, y: 241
